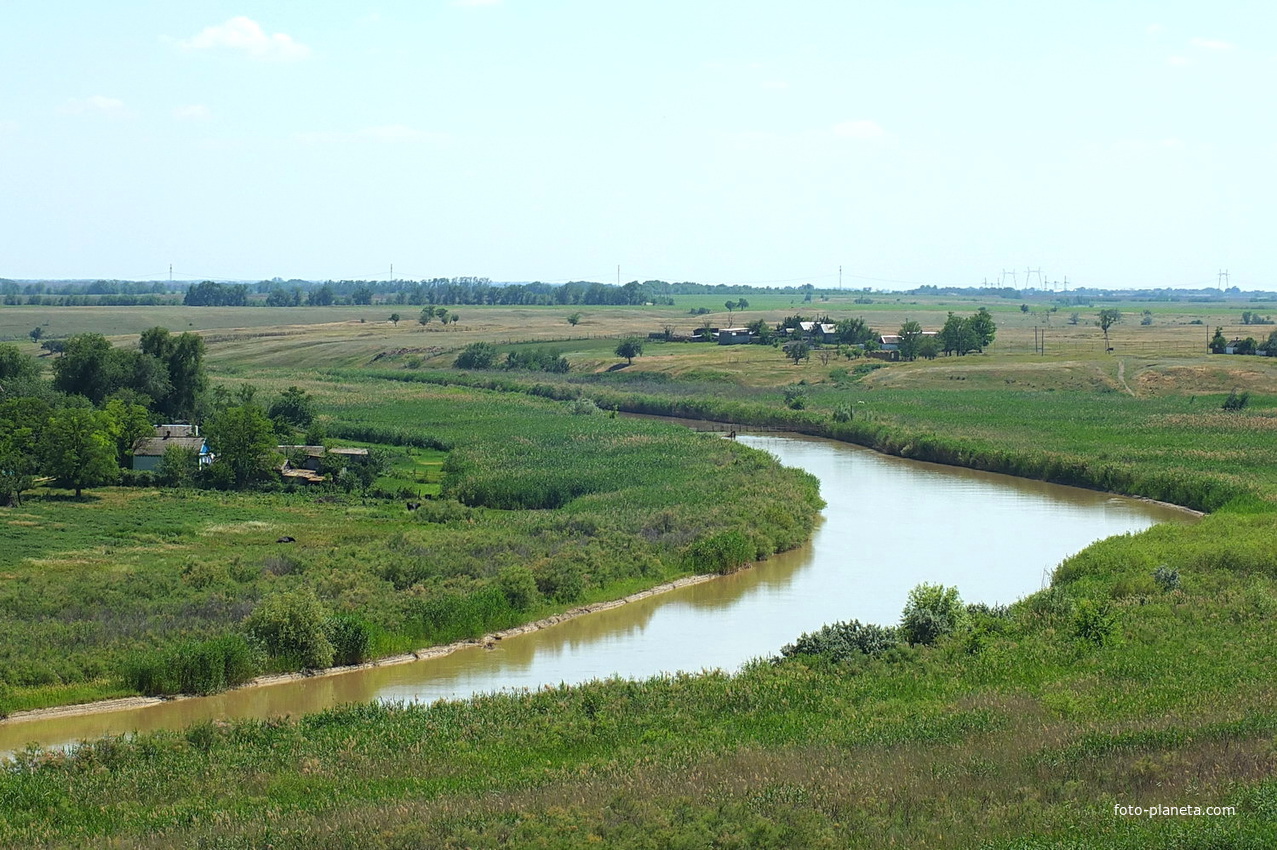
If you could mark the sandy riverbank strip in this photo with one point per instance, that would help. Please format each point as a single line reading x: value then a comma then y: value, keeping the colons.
x: 128, y: 703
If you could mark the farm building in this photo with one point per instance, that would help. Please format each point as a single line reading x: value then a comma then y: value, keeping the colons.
x: 149, y: 451
x: 310, y: 458
x: 734, y: 336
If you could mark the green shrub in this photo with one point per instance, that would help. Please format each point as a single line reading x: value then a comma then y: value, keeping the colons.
x: 932, y: 612
x: 477, y: 355
x: 561, y: 580
x: 291, y: 626
x: 721, y: 553
x: 844, y: 641
x: 350, y: 637
x: 193, y: 667
x: 1166, y: 578
x: 1094, y: 622
x: 519, y: 586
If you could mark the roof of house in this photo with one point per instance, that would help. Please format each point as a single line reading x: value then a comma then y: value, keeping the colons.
x: 156, y: 446
x: 177, y: 430
x: 309, y: 451
x: 320, y: 451
x: 733, y: 330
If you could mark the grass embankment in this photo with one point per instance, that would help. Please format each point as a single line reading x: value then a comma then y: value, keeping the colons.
x: 1037, y: 723
x: 542, y: 510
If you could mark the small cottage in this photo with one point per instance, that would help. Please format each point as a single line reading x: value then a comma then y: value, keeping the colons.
x: 149, y: 451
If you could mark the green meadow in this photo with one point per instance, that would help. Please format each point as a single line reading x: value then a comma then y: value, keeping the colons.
x: 1140, y: 677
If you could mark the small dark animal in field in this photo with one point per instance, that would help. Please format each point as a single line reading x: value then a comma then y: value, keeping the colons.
x: 412, y: 506
x: 286, y: 539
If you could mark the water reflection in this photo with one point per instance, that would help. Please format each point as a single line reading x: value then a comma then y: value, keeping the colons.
x: 889, y: 525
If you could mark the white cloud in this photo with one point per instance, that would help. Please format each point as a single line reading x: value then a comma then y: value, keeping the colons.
x: 1210, y: 44
x: 863, y: 130
x: 96, y: 104
x: 1177, y: 60
x: 193, y: 112
x: 385, y: 134
x: 246, y: 35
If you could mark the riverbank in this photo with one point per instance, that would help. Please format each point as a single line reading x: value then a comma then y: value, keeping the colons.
x: 437, y: 651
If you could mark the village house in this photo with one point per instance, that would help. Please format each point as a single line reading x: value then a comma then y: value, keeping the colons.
x: 149, y: 451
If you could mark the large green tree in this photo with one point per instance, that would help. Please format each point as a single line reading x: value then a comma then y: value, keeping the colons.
x: 629, y: 349
x: 985, y: 329
x: 910, y: 338
x: 76, y: 448
x: 242, y: 438
x: 22, y: 424
x: 83, y: 369
x: 183, y: 359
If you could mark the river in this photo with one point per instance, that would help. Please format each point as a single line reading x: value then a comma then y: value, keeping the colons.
x: 889, y: 525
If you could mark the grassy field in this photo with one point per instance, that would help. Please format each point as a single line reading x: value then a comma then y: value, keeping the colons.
x: 1140, y: 677
x: 580, y: 507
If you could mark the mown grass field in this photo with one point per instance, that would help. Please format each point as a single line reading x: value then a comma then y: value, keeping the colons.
x: 1024, y: 731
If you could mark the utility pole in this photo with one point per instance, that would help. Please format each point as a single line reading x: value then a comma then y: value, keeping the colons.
x: 392, y: 271
x: 840, y: 277
x: 1222, y: 278
x: 170, y: 272
x: 618, y: 274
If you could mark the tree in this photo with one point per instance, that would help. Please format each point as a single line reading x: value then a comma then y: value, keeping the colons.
x: 22, y: 423
x: 984, y: 328
x: 242, y: 438
x: 574, y: 319
x: 321, y: 297
x: 394, y: 318
x: 742, y: 304
x: 14, y: 364
x: 929, y: 348
x: 427, y: 313
x: 629, y: 349
x: 127, y: 422
x: 910, y: 338
x: 293, y: 406
x: 798, y: 351
x: 731, y: 308
x: 361, y: 295
x: 77, y: 449
x: 82, y: 368
x: 958, y: 335
x: 36, y: 333
x: 1108, y: 318
x: 1218, y: 342
x: 854, y: 331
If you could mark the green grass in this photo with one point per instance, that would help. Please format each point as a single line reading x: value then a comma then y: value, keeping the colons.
x: 1033, y: 732
x: 1021, y: 733
x: 585, y: 506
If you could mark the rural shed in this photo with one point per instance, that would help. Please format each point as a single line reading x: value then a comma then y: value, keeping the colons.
x: 734, y: 336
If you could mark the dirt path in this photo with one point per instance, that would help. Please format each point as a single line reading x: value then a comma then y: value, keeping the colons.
x: 1121, y: 376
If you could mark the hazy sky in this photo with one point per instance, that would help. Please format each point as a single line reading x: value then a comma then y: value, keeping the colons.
x: 1118, y: 143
